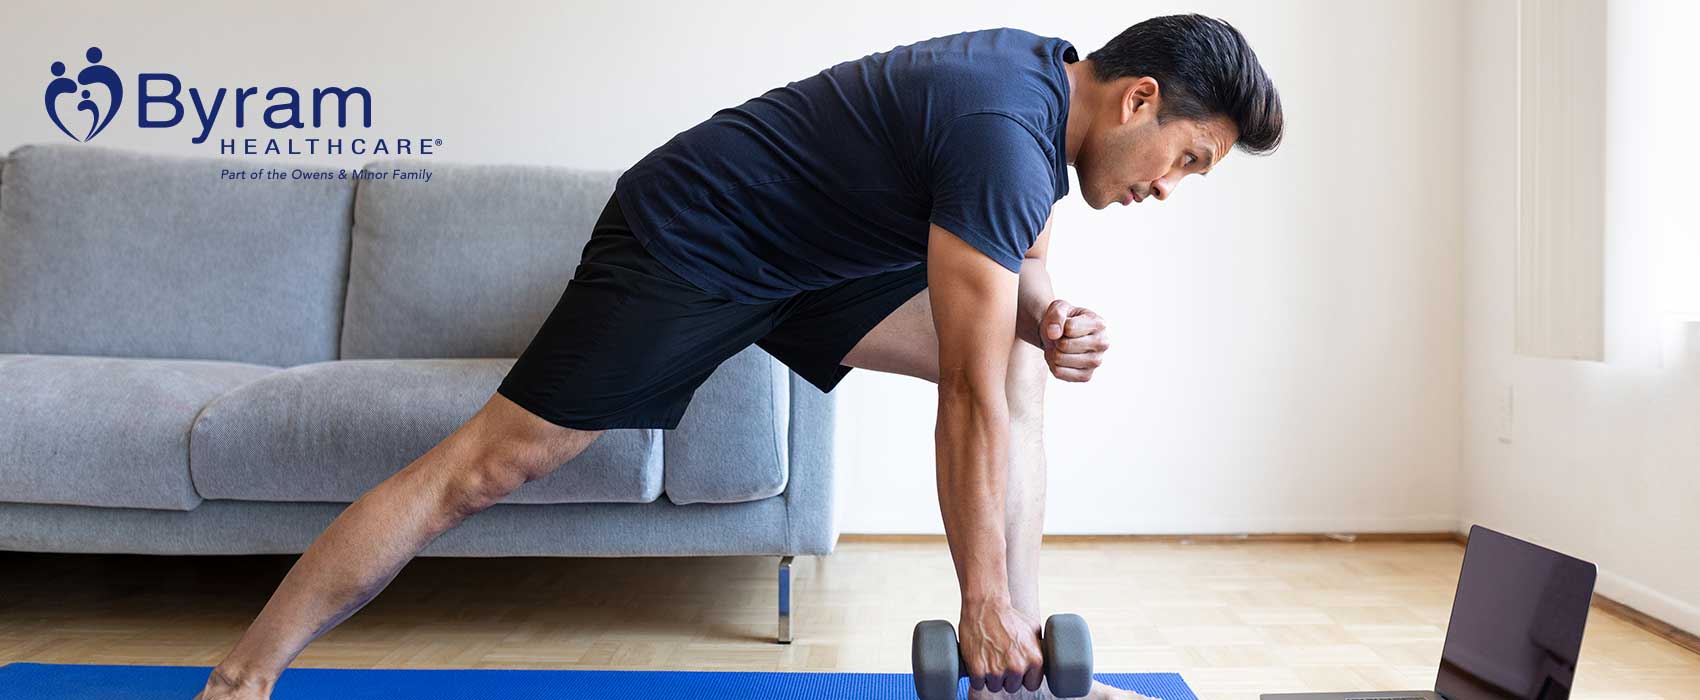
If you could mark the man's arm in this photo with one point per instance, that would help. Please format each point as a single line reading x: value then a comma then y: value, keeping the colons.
x: 1035, y: 295
x: 974, y: 305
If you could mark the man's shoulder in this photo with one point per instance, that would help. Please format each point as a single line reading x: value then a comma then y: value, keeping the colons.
x: 1005, y: 37
x: 985, y: 49
x: 1004, y: 70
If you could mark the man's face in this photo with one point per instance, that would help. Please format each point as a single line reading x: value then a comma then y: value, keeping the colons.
x: 1127, y: 156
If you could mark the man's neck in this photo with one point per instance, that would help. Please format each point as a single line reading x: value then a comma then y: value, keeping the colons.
x: 1082, y: 94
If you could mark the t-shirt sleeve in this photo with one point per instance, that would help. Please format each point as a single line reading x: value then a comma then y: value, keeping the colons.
x: 992, y: 185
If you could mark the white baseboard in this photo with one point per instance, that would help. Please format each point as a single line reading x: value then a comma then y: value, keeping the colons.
x: 1232, y: 526
x: 1677, y: 613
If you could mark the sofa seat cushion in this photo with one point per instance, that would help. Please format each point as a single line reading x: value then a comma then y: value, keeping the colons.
x: 330, y: 431
x: 730, y: 446
x: 105, y: 431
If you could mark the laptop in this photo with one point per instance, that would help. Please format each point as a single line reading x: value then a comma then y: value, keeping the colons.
x: 1516, y: 626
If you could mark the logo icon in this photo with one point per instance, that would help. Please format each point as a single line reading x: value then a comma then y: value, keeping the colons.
x: 92, y: 76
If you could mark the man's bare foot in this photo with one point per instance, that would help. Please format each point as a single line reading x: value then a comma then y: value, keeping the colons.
x: 1099, y: 692
x: 221, y: 686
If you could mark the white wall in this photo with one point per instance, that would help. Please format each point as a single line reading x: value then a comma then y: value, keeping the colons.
x: 1598, y: 459
x: 1288, y: 331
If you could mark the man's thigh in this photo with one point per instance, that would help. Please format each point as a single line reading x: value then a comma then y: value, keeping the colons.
x: 629, y: 341
x: 820, y: 329
x: 883, y: 323
x: 907, y: 343
x: 904, y: 343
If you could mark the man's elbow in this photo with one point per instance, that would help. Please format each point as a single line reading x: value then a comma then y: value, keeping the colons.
x: 963, y: 390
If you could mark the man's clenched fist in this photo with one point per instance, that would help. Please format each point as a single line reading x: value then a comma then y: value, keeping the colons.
x: 1075, y: 340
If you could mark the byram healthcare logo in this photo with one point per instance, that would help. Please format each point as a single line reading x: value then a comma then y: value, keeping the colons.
x: 82, y: 109
x: 91, y: 76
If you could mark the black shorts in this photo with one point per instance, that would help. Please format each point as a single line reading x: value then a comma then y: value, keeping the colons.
x: 629, y: 341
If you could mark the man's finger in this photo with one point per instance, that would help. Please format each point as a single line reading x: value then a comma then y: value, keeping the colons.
x: 1078, y: 360
x: 1070, y: 374
x: 1012, y: 679
x: 1091, y: 343
x: 1056, y: 316
x: 1082, y: 324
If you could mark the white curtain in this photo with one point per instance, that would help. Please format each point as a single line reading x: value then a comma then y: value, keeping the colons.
x: 1561, y: 172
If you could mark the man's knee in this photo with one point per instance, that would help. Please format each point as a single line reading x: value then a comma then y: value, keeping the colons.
x: 505, y: 447
x: 493, y: 472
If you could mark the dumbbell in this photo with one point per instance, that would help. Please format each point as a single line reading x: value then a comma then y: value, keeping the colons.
x: 1067, y: 646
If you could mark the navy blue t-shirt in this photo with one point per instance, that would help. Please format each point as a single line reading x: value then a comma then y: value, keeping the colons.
x: 837, y: 176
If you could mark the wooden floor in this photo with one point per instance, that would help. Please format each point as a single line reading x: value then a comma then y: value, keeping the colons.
x: 1235, y: 618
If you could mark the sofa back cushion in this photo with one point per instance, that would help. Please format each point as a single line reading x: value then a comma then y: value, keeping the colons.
x: 117, y: 253
x: 468, y: 264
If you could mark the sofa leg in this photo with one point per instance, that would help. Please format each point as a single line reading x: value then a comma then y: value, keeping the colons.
x: 785, y: 600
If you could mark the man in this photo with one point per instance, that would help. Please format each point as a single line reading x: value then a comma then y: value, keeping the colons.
x: 889, y: 213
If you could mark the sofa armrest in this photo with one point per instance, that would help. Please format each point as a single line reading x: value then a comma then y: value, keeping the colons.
x: 811, y: 522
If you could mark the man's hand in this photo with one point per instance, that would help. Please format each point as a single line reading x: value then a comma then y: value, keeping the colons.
x: 1000, y: 647
x: 1075, y: 340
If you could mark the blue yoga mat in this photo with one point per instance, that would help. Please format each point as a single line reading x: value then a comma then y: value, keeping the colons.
x: 87, y: 682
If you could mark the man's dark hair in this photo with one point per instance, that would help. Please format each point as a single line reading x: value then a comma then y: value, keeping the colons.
x: 1204, y: 67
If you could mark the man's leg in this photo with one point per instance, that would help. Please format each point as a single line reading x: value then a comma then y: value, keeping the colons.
x: 1024, y: 495
x: 627, y: 344
x: 498, y: 450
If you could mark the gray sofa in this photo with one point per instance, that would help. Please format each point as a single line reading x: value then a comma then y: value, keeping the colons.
x: 191, y: 365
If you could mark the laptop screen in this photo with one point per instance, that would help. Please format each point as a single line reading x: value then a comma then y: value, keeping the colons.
x: 1517, y: 621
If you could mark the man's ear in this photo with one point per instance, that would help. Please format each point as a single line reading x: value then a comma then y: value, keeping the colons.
x: 1141, y: 93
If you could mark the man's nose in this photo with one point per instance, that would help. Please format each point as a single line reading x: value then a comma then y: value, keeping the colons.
x: 1162, y: 188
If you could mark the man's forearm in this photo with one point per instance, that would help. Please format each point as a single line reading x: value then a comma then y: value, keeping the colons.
x: 972, y: 443
x: 1033, y: 298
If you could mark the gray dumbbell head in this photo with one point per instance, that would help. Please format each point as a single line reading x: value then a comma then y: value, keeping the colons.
x: 1068, y: 655
x: 937, y: 660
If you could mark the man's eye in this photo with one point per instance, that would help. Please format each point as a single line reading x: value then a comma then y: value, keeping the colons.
x: 1190, y: 159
